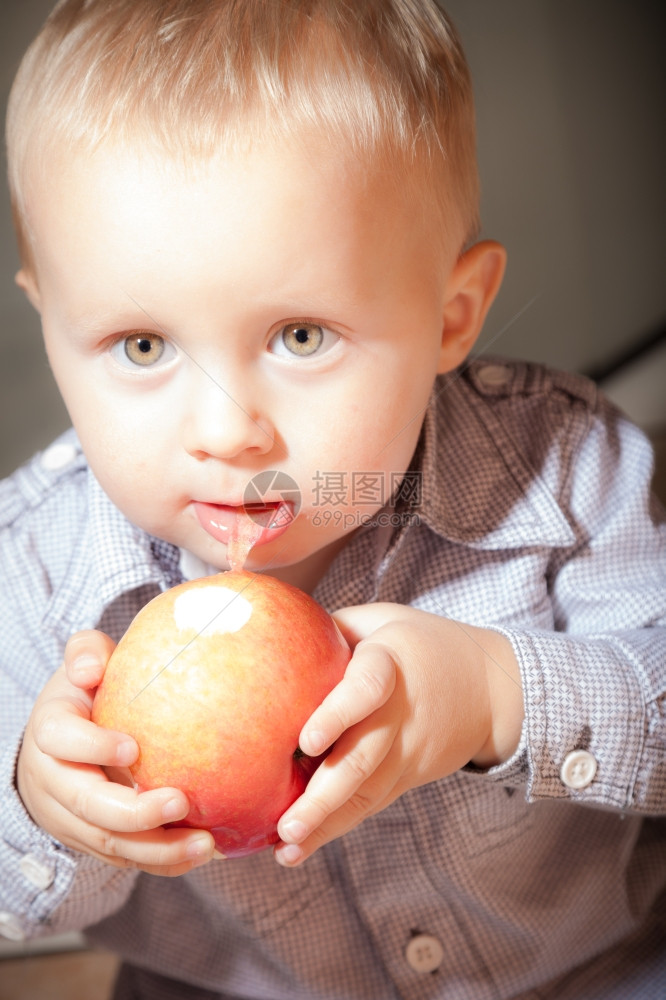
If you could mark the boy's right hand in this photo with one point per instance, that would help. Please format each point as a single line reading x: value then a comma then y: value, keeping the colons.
x: 63, y: 784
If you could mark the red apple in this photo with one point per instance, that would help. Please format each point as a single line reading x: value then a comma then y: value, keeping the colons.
x: 214, y: 679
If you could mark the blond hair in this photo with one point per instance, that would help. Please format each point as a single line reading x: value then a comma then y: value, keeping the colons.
x: 386, y: 78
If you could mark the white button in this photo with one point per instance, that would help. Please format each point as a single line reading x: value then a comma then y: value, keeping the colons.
x: 10, y: 927
x: 494, y: 375
x: 424, y: 953
x: 58, y: 456
x: 578, y: 769
x: 39, y: 873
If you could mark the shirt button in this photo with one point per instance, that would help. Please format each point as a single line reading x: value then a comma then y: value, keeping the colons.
x: 10, y: 927
x: 494, y: 376
x: 424, y: 953
x: 578, y: 769
x: 58, y: 456
x: 38, y: 872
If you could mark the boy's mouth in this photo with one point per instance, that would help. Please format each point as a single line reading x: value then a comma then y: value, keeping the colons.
x: 225, y: 522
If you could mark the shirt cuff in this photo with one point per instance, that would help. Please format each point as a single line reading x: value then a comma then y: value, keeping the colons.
x: 36, y: 871
x: 588, y: 704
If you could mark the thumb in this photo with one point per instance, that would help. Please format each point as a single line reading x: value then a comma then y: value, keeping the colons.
x: 86, y: 656
x: 361, y: 620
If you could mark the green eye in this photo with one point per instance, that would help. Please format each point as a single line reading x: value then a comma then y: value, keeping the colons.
x: 144, y: 349
x: 302, y: 339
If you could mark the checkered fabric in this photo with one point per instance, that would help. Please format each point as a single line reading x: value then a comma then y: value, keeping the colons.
x: 534, y: 519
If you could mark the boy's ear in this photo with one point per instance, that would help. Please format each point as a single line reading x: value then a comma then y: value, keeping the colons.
x: 470, y: 289
x: 28, y: 283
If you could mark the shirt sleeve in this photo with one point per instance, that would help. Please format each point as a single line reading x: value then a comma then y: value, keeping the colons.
x: 595, y: 688
x: 45, y: 888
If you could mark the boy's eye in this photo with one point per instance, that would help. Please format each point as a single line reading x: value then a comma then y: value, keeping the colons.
x: 302, y: 340
x: 143, y: 349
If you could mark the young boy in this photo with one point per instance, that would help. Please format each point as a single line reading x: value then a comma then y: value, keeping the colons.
x: 249, y: 231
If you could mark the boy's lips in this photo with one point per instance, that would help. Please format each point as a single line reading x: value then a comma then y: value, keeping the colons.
x: 223, y: 521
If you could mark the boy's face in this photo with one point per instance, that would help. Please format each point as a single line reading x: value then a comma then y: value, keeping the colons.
x: 264, y: 313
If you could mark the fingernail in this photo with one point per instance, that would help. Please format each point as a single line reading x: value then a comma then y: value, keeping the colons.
x: 172, y: 810
x: 198, y: 849
x: 316, y: 743
x: 288, y: 854
x: 294, y: 831
x: 125, y: 753
x: 85, y: 666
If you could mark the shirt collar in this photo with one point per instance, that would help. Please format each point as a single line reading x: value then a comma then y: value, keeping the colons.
x: 480, y: 488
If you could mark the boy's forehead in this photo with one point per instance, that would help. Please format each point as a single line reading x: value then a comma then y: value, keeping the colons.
x: 305, y: 167
x: 122, y: 210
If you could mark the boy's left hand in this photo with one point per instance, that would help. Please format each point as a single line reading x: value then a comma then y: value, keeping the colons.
x: 422, y: 697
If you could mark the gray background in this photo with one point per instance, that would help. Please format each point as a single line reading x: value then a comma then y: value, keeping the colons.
x: 570, y: 117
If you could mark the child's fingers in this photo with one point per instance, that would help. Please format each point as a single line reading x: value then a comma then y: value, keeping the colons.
x: 62, y: 785
x: 371, y: 796
x: 60, y: 729
x: 354, y: 775
x: 368, y: 683
x: 116, y: 824
x: 290, y: 854
x: 50, y: 787
x: 86, y: 656
x: 87, y: 794
x: 159, y: 851
x: 176, y: 852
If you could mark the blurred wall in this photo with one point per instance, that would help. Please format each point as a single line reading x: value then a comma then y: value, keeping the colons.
x: 570, y: 120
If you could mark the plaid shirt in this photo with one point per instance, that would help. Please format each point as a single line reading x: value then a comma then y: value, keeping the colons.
x: 539, y: 878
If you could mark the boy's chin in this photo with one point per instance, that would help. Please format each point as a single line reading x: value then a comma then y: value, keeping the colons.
x: 302, y: 566
x: 305, y: 572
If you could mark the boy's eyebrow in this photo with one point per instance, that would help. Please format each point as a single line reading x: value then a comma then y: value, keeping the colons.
x: 194, y: 361
x: 86, y: 324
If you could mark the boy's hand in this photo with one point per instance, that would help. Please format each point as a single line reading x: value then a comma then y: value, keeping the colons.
x: 422, y: 697
x: 64, y: 786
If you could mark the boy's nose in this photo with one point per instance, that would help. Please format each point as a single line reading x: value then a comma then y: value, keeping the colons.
x: 223, y: 422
